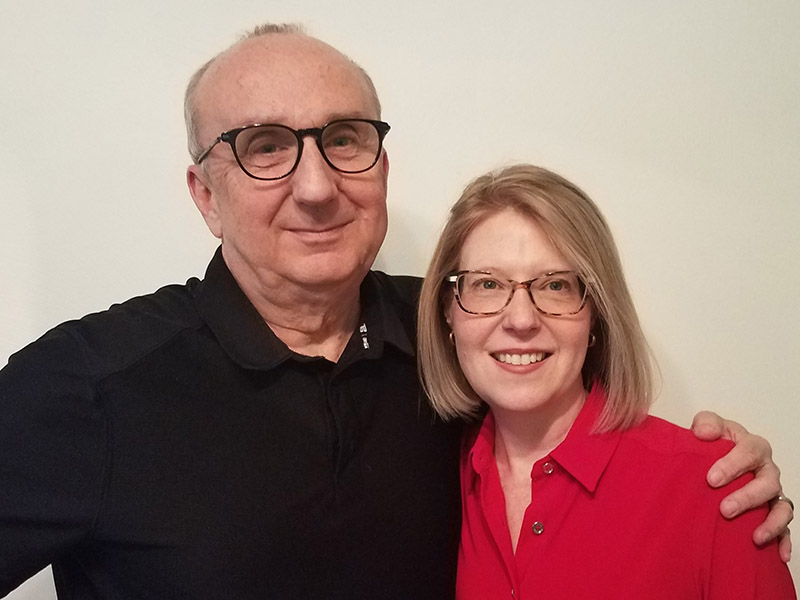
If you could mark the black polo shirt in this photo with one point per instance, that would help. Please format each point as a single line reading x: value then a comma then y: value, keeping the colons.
x: 172, y: 447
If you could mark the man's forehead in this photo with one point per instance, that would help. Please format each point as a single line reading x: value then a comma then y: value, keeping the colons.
x: 279, y: 49
x: 283, y: 77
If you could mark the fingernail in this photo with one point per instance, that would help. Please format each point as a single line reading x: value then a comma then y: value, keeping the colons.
x: 729, y: 507
x: 706, y: 430
x: 715, y: 478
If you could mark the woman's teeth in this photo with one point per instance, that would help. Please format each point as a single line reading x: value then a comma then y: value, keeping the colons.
x: 519, y: 359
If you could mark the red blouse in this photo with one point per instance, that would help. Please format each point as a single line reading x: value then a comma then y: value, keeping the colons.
x: 626, y: 514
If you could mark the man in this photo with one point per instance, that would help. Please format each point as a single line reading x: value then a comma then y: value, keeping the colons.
x: 260, y: 433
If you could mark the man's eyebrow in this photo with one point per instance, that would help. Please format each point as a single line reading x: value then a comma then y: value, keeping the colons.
x: 336, y: 116
x: 355, y: 114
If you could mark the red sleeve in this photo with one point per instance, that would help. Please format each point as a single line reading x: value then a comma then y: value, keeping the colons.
x: 732, y: 567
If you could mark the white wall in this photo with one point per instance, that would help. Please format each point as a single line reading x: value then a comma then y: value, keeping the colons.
x: 681, y: 118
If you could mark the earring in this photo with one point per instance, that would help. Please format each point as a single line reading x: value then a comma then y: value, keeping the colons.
x: 452, y: 337
x: 592, y: 339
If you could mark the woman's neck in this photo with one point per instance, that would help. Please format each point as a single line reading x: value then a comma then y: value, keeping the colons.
x: 525, y: 437
x: 520, y: 440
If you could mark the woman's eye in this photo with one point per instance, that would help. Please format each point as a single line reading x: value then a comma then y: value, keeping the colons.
x: 487, y: 285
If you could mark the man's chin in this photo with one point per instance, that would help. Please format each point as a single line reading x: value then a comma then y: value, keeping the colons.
x: 330, y: 269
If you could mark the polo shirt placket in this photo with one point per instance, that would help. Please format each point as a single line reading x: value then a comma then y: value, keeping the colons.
x: 173, y: 447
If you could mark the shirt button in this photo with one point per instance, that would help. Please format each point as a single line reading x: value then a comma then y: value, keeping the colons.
x: 548, y: 468
x: 537, y: 528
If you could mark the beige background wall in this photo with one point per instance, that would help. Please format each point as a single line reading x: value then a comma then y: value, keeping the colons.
x: 682, y: 119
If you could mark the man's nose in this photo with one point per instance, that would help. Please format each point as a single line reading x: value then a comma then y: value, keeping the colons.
x: 521, y: 314
x: 314, y: 181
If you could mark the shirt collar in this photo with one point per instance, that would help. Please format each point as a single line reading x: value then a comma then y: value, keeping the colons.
x: 389, y: 312
x: 480, y: 456
x: 583, y: 454
x: 248, y: 340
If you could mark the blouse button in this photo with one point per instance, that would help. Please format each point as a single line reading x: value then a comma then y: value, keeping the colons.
x: 537, y: 528
x: 548, y: 468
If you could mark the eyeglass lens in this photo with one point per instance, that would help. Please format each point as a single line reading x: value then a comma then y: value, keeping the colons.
x: 271, y: 151
x: 556, y: 293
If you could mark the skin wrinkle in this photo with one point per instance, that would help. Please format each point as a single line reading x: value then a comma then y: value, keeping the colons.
x: 299, y: 246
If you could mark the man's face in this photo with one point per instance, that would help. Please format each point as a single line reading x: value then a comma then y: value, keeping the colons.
x: 317, y: 227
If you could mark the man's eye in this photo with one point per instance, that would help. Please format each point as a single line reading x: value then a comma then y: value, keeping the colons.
x: 341, y: 141
x: 266, y: 149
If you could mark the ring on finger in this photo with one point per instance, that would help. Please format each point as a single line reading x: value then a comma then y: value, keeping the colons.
x: 782, y: 498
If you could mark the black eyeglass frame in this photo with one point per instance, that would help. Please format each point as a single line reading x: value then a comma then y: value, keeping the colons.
x: 452, y: 278
x: 230, y: 136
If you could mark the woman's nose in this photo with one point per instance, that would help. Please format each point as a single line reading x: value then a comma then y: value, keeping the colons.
x: 521, y: 314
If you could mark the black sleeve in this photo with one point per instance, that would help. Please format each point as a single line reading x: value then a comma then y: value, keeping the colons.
x: 53, y: 455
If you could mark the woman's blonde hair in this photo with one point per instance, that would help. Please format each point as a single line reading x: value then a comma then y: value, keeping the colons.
x: 619, y: 360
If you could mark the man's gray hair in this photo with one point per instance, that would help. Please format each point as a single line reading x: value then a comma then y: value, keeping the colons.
x: 190, y: 104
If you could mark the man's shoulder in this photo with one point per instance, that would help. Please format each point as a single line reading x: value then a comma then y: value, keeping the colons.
x: 111, y: 339
x: 404, y: 288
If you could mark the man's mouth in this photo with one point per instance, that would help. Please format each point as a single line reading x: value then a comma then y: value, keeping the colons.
x: 520, y: 359
x: 319, y: 230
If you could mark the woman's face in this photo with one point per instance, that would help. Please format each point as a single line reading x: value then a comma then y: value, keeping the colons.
x: 519, y: 359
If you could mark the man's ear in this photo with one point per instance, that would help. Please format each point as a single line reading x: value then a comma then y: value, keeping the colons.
x: 204, y: 198
x: 385, y: 161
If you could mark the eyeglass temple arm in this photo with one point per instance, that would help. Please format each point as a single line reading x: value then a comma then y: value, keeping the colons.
x: 208, y: 150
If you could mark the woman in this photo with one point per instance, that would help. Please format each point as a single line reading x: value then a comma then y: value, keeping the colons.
x: 569, y: 489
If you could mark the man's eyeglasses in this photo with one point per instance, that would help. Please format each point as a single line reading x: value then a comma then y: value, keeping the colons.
x: 270, y: 152
x: 557, y: 294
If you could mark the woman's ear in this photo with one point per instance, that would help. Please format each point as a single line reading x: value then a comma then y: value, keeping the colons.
x: 594, y: 318
x: 448, y: 312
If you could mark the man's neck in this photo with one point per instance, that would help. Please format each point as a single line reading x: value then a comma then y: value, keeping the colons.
x: 314, y: 332
x: 314, y: 320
